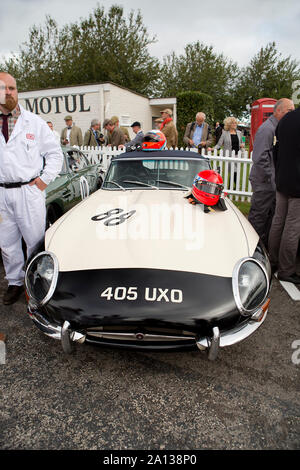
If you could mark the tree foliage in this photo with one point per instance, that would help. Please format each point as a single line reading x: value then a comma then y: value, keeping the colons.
x: 268, y: 75
x: 188, y: 104
x: 203, y: 70
x: 103, y: 47
x: 109, y: 47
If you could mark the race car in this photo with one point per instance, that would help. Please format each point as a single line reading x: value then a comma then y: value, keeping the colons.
x: 77, y: 179
x: 137, y: 265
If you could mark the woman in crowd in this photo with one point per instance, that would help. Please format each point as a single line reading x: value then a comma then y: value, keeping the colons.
x: 231, y: 138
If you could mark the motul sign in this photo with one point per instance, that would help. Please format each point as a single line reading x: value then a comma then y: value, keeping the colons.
x: 57, y: 104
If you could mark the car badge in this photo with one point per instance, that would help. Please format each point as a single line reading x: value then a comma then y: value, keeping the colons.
x: 140, y: 336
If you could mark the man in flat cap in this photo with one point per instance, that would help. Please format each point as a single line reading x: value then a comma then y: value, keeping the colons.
x: 115, y: 120
x: 168, y: 128
x: 71, y: 134
x: 139, y: 136
x: 157, y: 123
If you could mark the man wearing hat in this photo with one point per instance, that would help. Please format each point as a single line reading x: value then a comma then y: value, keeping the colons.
x: 137, y: 141
x: 71, y: 135
x: 157, y: 123
x: 115, y: 120
x: 116, y: 136
x: 168, y: 128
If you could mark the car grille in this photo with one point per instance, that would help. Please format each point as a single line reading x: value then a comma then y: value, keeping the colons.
x: 151, y: 335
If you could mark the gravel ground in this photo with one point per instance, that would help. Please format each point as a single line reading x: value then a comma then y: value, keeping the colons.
x: 110, y: 399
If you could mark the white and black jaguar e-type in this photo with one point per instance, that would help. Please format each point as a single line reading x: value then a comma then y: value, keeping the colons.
x: 135, y: 265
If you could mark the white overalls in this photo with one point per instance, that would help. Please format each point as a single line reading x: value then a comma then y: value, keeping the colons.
x: 31, y: 151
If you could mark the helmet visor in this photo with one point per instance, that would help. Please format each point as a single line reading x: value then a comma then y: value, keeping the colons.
x: 208, y: 187
x: 152, y: 138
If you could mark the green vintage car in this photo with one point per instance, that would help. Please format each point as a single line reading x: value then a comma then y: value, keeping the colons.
x: 78, y: 178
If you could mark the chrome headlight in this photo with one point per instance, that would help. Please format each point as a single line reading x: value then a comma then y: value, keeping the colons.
x: 250, y: 284
x: 41, y: 278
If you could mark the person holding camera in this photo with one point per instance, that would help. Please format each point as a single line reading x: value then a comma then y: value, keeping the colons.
x: 93, y: 137
x: 198, y: 133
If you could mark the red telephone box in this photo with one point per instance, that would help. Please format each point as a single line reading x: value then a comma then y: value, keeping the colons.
x: 261, y: 110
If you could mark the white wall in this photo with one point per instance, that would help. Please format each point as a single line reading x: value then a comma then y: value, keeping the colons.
x: 87, y: 102
x: 132, y: 106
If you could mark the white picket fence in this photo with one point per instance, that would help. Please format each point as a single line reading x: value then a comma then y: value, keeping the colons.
x: 238, y: 188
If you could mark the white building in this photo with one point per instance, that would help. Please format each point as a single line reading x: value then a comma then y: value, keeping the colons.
x: 87, y: 102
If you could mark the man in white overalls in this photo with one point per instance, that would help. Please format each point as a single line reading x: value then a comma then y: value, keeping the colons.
x: 30, y: 157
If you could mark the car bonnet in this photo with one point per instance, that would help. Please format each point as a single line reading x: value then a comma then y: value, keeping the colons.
x: 155, y: 229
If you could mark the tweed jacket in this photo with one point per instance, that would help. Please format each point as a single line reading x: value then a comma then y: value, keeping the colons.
x: 116, y: 137
x: 89, y: 138
x: 75, y: 136
x: 170, y: 131
x: 126, y: 133
x: 189, y: 132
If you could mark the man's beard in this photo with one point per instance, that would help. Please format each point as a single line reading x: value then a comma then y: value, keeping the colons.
x: 10, y: 103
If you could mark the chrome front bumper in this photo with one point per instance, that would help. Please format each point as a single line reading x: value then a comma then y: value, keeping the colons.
x: 228, y: 338
x: 54, y: 331
x: 219, y: 339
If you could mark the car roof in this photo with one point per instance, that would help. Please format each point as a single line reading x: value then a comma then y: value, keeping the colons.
x: 159, y: 155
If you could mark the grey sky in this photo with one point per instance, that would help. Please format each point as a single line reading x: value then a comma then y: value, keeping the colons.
x: 236, y: 28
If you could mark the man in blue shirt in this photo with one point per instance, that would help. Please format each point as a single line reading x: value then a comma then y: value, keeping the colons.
x: 197, y: 137
x: 92, y: 137
x: 198, y: 133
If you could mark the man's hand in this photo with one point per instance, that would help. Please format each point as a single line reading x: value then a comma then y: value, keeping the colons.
x: 39, y: 183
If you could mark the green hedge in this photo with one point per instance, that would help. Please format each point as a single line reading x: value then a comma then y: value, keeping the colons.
x: 189, y: 103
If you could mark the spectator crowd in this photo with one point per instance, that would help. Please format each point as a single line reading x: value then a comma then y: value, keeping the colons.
x: 198, y: 134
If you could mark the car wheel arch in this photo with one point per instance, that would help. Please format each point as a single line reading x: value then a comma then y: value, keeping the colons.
x: 53, y: 212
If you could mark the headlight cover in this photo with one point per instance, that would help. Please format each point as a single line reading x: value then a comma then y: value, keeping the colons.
x: 41, y: 278
x: 250, y: 284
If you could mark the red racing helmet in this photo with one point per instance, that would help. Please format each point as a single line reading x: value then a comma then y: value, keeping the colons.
x: 154, y: 140
x: 207, y: 187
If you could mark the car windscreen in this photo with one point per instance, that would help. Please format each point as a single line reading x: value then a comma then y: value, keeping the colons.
x: 146, y: 173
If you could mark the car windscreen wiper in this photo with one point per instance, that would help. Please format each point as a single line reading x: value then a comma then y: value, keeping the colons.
x: 117, y: 184
x: 140, y: 183
x: 173, y: 183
